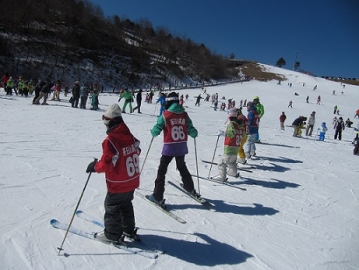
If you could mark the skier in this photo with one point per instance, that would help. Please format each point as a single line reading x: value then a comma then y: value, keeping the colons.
x: 322, y: 132
x: 120, y: 148
x: 335, y: 109
x: 139, y: 101
x: 297, y: 123
x: 242, y: 120
x: 282, y: 119
x: 162, y: 101
x: 339, y: 127
x: 84, y: 92
x: 318, y: 100
x: 252, y: 130
x: 233, y: 136
x: 310, y: 125
x: 198, y: 100
x: 260, y: 110
x: 176, y: 126
x: 290, y: 104
x: 75, y: 94
x: 127, y: 96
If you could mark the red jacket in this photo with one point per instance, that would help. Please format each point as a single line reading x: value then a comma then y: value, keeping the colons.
x: 120, y: 160
x: 282, y: 118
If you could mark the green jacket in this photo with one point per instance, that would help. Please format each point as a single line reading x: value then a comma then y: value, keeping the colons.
x: 230, y: 133
x: 260, y: 109
x: 127, y: 96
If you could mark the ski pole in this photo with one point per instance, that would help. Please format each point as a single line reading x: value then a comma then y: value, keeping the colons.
x: 214, y: 153
x: 77, y: 206
x: 195, y: 152
x: 144, y: 161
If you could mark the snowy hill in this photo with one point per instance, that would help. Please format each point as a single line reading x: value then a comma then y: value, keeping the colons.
x: 299, y: 210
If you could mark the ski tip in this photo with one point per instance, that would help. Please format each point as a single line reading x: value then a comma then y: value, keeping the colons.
x: 53, y: 221
x: 79, y: 212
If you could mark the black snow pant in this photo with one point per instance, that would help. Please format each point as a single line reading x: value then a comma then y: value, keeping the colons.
x: 138, y: 107
x: 338, y: 134
x: 75, y: 102
x: 161, y: 175
x: 119, y: 215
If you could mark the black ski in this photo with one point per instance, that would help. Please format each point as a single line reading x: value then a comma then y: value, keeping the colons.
x: 166, y: 211
x: 201, y: 200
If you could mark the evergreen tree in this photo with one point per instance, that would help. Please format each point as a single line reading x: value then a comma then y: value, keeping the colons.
x: 281, y: 62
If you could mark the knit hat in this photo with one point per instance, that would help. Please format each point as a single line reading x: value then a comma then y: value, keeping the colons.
x: 171, y: 98
x: 112, y: 112
x: 250, y: 104
x: 256, y: 97
x: 233, y: 113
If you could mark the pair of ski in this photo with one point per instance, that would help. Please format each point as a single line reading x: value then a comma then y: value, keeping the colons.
x: 220, y: 182
x: 238, y: 168
x: 167, y: 211
x: 133, y: 247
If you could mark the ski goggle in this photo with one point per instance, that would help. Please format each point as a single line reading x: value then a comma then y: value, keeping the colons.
x: 106, y: 118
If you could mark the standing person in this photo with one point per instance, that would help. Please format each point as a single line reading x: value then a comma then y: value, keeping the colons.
x: 162, y: 101
x: 198, y: 100
x: 260, y: 111
x: 4, y: 80
x: 282, y: 118
x: 318, y: 100
x: 176, y: 126
x: 127, y: 96
x: 122, y: 173
x: 339, y: 127
x: 94, y: 100
x: 57, y: 90
x: 139, y: 101
x: 37, y: 90
x: 66, y: 90
x: 232, y: 141
x: 215, y: 103
x: 307, y: 99
x: 335, y: 109
x: 84, y: 92
x: 290, y: 104
x: 310, y: 125
x: 242, y: 121
x: 75, y: 94
x: 9, y: 86
x: 322, y: 132
x: 252, y: 130
x: 356, y: 114
x: 297, y: 124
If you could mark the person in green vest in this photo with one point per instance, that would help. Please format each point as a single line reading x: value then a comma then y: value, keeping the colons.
x: 260, y: 110
x: 127, y: 96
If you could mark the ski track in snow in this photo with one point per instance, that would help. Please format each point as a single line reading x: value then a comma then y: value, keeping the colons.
x: 299, y: 210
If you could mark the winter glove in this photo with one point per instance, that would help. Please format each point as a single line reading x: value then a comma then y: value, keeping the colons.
x: 221, y: 133
x: 91, y: 167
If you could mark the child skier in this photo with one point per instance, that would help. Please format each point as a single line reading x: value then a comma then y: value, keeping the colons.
x: 232, y: 142
x: 322, y: 132
x: 120, y: 148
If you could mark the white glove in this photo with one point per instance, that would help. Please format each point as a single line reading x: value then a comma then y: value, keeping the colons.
x: 221, y: 133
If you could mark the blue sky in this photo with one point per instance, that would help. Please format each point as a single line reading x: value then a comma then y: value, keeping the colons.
x: 325, y: 33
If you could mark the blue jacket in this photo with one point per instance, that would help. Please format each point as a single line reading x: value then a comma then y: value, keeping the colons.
x: 253, y: 120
